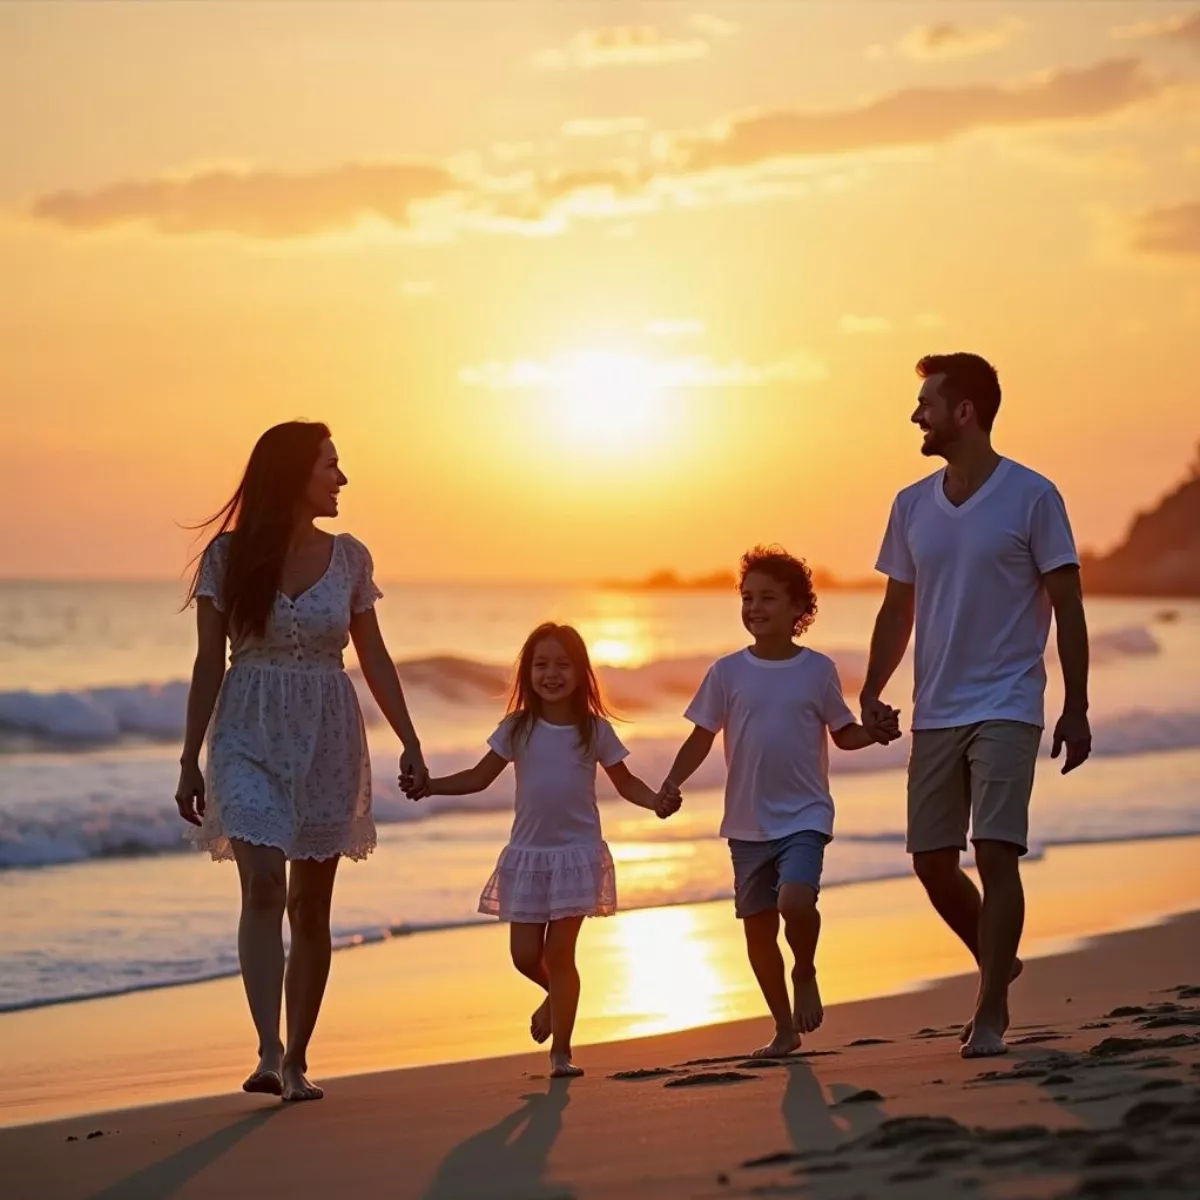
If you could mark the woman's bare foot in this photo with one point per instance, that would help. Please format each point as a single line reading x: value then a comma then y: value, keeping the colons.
x: 808, y: 1012
x: 266, y: 1079
x: 965, y: 1033
x: 561, y: 1066
x: 539, y: 1023
x: 784, y: 1042
x: 296, y: 1086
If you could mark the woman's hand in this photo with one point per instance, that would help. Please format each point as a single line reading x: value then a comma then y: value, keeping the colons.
x: 189, y: 795
x: 414, y: 774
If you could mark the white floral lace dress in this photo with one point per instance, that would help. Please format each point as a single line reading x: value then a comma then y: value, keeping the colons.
x: 287, y: 763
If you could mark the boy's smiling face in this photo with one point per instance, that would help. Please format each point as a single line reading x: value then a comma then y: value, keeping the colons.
x: 768, y: 612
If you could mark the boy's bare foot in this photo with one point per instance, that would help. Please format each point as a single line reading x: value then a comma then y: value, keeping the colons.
x: 561, y: 1066
x: 965, y: 1034
x: 539, y: 1023
x: 783, y: 1043
x: 296, y: 1086
x: 808, y: 1012
x: 266, y: 1079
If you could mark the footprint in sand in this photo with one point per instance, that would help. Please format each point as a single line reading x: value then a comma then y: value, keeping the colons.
x: 703, y: 1078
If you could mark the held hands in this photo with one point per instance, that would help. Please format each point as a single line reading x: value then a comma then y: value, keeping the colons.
x: 1073, y: 732
x: 414, y: 775
x: 189, y: 795
x: 670, y: 800
x: 880, y: 720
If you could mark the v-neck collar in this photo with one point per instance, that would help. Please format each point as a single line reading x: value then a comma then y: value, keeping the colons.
x: 988, y: 485
x: 294, y: 600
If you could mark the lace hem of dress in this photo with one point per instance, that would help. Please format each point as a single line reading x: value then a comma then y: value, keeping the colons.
x: 538, y: 885
x: 355, y: 842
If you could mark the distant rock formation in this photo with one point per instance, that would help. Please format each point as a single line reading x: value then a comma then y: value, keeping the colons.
x: 1160, y: 555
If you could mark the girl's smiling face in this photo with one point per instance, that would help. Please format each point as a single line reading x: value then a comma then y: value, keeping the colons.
x: 552, y: 676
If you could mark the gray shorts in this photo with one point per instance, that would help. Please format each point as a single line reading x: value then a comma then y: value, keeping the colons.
x: 976, y: 778
x: 759, y: 868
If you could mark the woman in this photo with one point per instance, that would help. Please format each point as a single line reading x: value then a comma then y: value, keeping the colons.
x: 289, y: 777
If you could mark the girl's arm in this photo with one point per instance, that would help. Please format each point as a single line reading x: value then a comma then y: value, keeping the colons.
x: 207, y: 673
x: 474, y: 779
x: 380, y: 673
x: 630, y: 787
x: 691, y: 754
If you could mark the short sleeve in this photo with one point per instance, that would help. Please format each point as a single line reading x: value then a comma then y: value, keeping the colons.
x: 1050, y: 539
x: 211, y: 580
x: 709, y: 708
x: 363, y: 592
x: 835, y: 712
x: 502, y: 740
x: 610, y: 750
x: 895, y: 558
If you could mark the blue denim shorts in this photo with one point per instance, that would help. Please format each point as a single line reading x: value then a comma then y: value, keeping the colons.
x: 760, y: 867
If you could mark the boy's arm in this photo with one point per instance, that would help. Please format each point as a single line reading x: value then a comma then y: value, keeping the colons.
x: 691, y: 755
x: 857, y: 737
x: 474, y: 779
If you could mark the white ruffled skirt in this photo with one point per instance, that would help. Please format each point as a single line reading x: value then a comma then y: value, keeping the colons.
x: 540, y: 884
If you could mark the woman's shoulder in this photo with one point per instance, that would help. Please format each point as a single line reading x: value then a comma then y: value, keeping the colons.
x: 351, y: 543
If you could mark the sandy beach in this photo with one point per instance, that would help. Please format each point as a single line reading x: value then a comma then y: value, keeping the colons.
x: 1100, y: 1095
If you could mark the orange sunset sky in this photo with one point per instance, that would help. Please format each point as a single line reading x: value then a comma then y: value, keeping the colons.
x: 585, y: 289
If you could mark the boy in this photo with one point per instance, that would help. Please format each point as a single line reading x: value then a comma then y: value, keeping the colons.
x: 774, y: 701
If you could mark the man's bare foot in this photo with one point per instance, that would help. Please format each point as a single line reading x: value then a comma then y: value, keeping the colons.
x: 296, y: 1086
x: 539, y: 1023
x: 561, y: 1066
x: 984, y: 1043
x: 780, y: 1046
x: 808, y: 1012
x: 266, y: 1078
x: 965, y: 1033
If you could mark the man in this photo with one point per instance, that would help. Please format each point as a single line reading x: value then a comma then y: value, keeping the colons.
x: 979, y: 553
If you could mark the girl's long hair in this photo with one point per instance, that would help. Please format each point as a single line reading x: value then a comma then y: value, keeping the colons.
x: 587, y: 703
x: 259, y: 517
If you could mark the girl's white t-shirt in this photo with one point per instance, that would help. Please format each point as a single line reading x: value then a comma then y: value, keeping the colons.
x: 556, y: 781
x: 776, y: 717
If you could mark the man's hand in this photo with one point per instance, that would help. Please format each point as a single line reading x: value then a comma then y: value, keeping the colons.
x: 1074, y: 732
x: 670, y: 800
x: 880, y: 720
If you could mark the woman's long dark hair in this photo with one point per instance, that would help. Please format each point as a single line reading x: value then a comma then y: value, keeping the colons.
x: 587, y: 704
x: 259, y: 517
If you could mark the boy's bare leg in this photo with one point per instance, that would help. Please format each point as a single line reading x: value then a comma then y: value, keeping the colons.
x: 762, y: 947
x: 802, y: 928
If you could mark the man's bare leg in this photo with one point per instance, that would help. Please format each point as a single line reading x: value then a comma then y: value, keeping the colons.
x: 762, y: 947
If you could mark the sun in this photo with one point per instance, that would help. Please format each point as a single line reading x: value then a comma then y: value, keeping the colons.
x: 606, y: 397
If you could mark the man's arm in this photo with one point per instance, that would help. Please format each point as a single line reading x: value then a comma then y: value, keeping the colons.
x: 1072, y: 731
x: 893, y: 628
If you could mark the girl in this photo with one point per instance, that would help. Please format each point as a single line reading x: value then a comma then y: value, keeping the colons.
x: 289, y: 779
x: 556, y: 869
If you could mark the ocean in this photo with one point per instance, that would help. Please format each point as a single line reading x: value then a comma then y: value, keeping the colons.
x: 101, y: 895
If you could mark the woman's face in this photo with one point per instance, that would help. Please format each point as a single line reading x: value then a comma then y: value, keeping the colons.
x: 321, y: 495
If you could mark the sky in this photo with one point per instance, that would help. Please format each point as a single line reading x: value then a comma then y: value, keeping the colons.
x: 585, y: 290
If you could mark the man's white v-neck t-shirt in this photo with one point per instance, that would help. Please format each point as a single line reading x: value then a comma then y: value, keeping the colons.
x: 982, y: 611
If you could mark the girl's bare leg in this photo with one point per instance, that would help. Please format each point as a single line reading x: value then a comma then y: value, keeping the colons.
x: 262, y: 871
x: 309, y: 899
x: 559, y: 955
x: 527, y: 943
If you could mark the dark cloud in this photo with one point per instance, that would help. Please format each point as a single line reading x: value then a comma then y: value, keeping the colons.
x: 1173, y: 231
x: 923, y: 116
x: 255, y: 203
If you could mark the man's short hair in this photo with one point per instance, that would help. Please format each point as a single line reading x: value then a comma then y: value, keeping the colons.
x: 967, y: 377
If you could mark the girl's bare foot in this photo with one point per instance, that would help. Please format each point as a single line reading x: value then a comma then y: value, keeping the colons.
x: 808, y: 1012
x: 784, y: 1042
x: 296, y: 1086
x: 561, y: 1066
x: 539, y: 1023
x: 266, y: 1078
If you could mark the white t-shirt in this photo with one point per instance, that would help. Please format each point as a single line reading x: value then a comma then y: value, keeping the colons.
x: 775, y: 716
x: 556, y: 781
x: 982, y: 612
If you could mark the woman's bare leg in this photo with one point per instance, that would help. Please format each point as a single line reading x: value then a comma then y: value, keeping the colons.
x: 559, y: 955
x: 262, y: 871
x: 309, y: 899
x: 527, y: 943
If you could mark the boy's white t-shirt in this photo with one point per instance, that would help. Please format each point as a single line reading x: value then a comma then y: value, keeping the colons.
x: 982, y: 612
x: 556, y: 781
x: 776, y: 717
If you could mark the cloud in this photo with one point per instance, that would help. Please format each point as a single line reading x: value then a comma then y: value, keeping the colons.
x: 1183, y: 28
x: 1171, y: 232
x: 257, y: 202
x: 944, y: 40
x: 855, y: 324
x: 713, y: 27
x: 921, y: 116
x: 929, y: 320
x: 620, y: 46
x: 697, y: 371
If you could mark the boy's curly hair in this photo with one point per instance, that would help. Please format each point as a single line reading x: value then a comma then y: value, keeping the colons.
x: 788, y: 570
